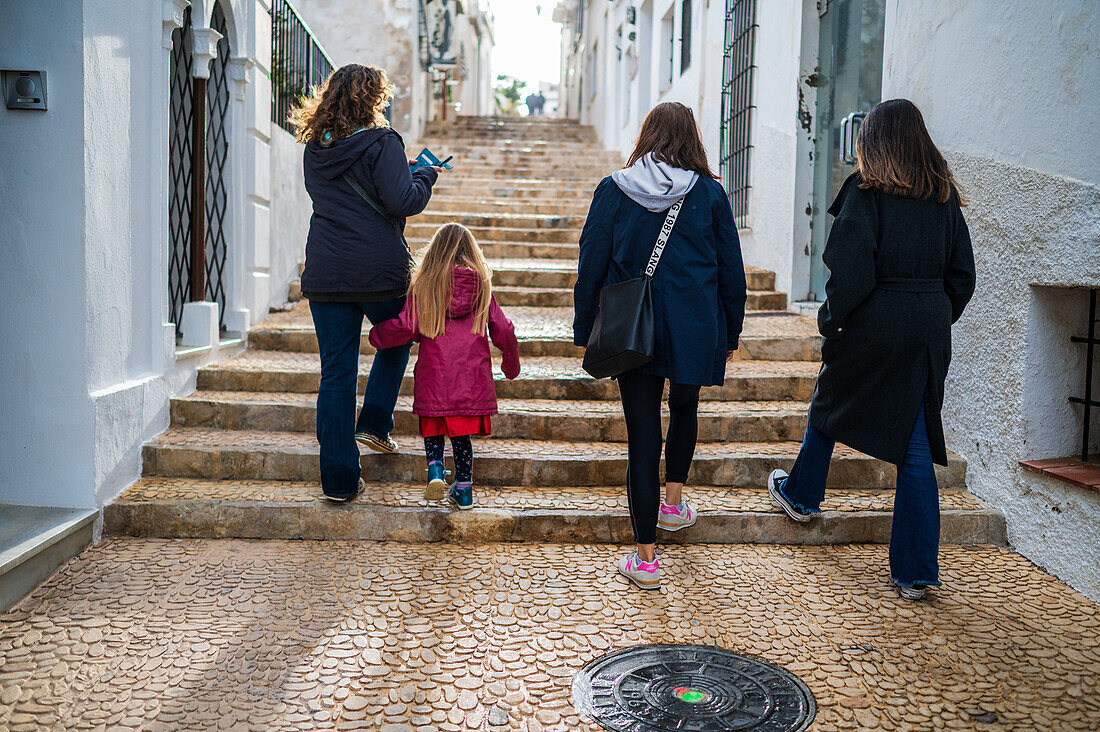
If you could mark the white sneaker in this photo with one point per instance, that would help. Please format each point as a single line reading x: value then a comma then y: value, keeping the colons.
x: 781, y: 500
x: 674, y: 518
x: 646, y: 575
x: 913, y: 593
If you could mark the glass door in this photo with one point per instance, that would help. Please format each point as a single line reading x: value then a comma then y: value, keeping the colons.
x: 849, y: 84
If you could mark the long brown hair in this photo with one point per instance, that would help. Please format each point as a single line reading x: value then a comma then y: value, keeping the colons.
x: 452, y: 246
x: 896, y: 154
x: 353, y: 97
x: 670, y: 133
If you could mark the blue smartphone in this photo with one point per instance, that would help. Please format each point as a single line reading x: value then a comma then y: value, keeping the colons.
x: 427, y: 158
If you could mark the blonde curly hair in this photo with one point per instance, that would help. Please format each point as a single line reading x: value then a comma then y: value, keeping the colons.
x: 352, y: 98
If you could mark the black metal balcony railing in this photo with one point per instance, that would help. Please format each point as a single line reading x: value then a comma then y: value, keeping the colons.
x: 298, y: 61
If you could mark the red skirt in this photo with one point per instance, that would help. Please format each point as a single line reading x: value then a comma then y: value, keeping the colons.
x: 460, y: 426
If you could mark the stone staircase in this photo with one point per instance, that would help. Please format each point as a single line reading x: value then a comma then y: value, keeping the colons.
x: 240, y: 458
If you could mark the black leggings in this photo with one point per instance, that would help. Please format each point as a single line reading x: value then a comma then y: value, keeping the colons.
x: 463, y: 451
x: 641, y: 396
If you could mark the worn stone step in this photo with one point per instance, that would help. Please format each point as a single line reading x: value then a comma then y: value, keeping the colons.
x: 552, y: 297
x: 563, y: 273
x: 500, y: 220
x: 425, y: 231
x: 524, y: 165
x: 535, y: 419
x: 526, y: 188
x: 450, y: 204
x: 549, y: 332
x: 540, y: 378
x: 192, y: 508
x: 524, y: 250
x: 187, y: 452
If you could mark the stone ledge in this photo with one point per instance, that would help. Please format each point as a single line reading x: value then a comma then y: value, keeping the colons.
x: 366, y: 522
x: 1068, y: 470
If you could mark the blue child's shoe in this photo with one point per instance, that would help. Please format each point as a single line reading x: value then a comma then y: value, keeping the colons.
x: 461, y: 495
x: 437, y: 482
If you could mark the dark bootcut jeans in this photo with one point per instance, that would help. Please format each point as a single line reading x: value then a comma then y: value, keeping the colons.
x: 915, y: 531
x: 339, y: 327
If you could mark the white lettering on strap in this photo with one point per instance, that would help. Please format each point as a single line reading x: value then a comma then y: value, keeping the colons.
x: 662, y: 238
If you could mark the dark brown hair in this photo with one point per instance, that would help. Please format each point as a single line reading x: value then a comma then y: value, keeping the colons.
x: 897, y: 156
x: 670, y: 133
x: 353, y: 97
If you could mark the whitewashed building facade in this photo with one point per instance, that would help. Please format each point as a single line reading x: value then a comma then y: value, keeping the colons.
x: 778, y: 88
x: 426, y: 47
x: 103, y: 189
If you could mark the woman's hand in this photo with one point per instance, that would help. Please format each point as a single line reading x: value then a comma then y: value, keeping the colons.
x: 730, y: 355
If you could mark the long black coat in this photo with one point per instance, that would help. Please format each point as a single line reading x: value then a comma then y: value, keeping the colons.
x: 698, y: 288
x: 351, y: 248
x: 901, y: 272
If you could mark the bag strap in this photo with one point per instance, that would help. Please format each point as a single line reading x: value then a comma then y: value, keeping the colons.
x: 376, y: 206
x: 662, y: 238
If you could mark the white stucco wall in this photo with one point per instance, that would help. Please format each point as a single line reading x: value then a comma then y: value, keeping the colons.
x: 378, y: 33
x: 87, y: 359
x: 1027, y: 157
x: 290, y: 212
x: 45, y: 402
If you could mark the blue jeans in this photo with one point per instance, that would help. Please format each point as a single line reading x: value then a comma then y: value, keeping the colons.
x: 915, y: 532
x: 339, y: 327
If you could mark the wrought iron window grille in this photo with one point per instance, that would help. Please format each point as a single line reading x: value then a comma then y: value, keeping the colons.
x: 685, y: 36
x: 738, y: 68
x: 1091, y: 341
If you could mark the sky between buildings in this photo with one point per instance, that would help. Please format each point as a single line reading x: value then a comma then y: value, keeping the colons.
x: 527, y: 41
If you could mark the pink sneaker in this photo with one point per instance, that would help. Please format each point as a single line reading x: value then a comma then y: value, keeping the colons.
x: 674, y: 518
x: 646, y: 575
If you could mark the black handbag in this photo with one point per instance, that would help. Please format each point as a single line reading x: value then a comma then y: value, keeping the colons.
x: 622, y: 335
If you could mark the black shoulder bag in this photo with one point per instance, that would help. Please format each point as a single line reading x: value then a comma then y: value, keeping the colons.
x: 622, y: 336
x: 381, y: 211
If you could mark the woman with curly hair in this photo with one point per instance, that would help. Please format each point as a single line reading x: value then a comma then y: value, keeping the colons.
x: 357, y: 261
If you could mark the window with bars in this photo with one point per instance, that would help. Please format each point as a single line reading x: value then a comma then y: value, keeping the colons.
x: 298, y: 61
x: 738, y: 67
x: 685, y: 36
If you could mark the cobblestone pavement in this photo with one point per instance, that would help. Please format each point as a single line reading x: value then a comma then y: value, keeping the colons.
x: 275, y: 635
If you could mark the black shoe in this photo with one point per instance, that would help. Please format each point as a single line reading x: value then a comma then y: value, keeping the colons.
x: 345, y: 499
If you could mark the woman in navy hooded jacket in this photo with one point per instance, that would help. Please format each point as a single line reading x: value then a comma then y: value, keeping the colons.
x: 698, y: 294
x: 357, y: 262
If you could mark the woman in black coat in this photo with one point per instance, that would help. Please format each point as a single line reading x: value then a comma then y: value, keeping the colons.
x: 357, y: 261
x: 698, y: 292
x: 901, y: 271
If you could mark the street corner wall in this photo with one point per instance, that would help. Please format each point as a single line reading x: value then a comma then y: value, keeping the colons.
x: 1021, y: 155
x: 45, y: 408
x: 380, y: 33
x: 291, y: 209
x: 1035, y: 239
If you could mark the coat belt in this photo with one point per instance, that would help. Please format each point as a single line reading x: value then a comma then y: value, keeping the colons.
x: 906, y: 284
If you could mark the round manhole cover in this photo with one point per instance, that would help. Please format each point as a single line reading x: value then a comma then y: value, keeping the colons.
x: 690, y: 689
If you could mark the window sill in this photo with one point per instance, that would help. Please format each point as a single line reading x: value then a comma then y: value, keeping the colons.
x: 1068, y: 470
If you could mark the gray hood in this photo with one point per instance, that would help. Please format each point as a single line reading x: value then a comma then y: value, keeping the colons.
x: 653, y: 184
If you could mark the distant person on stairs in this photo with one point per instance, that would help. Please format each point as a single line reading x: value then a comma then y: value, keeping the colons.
x: 357, y: 261
x: 452, y: 314
x: 901, y: 271
x: 698, y: 292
